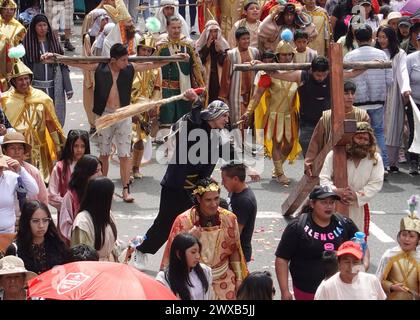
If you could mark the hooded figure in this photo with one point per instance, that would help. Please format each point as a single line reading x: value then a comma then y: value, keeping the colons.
x: 160, y: 14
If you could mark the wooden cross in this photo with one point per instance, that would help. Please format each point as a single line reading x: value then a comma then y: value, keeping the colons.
x: 342, y: 129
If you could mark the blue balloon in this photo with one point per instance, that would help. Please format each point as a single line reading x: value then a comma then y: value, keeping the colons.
x: 287, y: 35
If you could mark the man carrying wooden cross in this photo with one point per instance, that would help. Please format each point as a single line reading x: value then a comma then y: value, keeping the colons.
x: 365, y: 175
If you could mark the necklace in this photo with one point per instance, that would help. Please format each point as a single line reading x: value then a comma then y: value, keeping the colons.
x: 252, y: 27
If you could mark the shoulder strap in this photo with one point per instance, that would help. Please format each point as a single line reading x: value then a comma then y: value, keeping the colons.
x: 302, y: 220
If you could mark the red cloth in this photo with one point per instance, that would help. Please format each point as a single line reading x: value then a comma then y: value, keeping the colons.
x: 265, y: 10
x: 366, y: 220
x: 265, y: 81
x: 302, y: 295
x: 375, y: 6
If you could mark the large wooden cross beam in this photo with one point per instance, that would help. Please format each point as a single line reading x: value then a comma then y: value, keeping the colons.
x: 342, y: 129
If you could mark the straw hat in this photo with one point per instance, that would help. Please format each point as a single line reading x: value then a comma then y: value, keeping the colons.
x: 16, y: 137
x: 13, y: 265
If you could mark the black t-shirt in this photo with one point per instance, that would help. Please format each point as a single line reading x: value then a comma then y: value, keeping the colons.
x: 244, y: 206
x: 314, y: 98
x: 303, y: 247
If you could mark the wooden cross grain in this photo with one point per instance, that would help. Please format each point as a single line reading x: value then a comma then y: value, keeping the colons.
x: 341, y: 129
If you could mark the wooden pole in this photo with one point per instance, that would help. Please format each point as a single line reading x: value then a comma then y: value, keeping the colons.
x: 145, y: 7
x: 335, y: 52
x: 307, y: 66
x: 95, y: 59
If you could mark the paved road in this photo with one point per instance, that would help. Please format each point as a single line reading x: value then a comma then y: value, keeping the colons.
x: 132, y: 219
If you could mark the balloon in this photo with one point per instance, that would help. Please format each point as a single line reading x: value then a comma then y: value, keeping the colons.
x: 17, y: 52
x: 153, y: 24
x: 287, y: 35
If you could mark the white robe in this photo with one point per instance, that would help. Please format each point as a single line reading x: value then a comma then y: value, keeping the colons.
x: 366, y: 180
x: 115, y: 37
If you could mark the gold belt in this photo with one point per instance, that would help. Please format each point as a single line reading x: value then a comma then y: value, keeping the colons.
x: 170, y: 84
x: 217, y: 272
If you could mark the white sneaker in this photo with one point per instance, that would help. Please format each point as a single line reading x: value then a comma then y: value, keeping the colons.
x: 139, y: 260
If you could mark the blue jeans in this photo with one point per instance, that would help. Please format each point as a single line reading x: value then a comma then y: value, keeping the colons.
x: 377, y: 123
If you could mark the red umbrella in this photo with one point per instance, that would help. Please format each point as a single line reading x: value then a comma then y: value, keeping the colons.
x: 92, y: 280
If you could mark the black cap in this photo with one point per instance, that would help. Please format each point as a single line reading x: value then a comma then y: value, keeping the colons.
x: 323, y: 192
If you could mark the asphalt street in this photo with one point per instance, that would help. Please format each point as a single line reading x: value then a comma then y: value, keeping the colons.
x: 388, y: 207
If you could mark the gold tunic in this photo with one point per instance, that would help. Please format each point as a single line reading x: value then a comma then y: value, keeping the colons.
x: 4, y: 44
x: 402, y: 268
x: 14, y: 31
x: 230, y: 12
x: 29, y: 115
x: 280, y: 117
x: 146, y: 85
x: 321, y: 21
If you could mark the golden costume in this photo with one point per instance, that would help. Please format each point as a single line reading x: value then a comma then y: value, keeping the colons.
x: 322, y: 24
x: 280, y: 102
x: 230, y: 12
x: 13, y: 30
x: 398, y: 266
x: 4, y: 60
x: 219, y: 244
x: 33, y: 115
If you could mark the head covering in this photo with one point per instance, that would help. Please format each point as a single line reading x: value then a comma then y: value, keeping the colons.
x: 352, y: 248
x: 394, y: 15
x: 13, y: 265
x: 221, y: 43
x: 148, y: 40
x: 412, y: 221
x: 8, y: 4
x: 362, y: 126
x: 119, y: 13
x: 200, y: 190
x: 185, y: 30
x: 31, y: 43
x: 97, y: 16
x: 362, y: 2
x: 19, y: 69
x: 16, y: 137
x: 405, y: 21
x: 323, y: 192
x: 214, y: 110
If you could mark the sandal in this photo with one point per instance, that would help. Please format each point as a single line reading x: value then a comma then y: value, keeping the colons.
x: 127, y: 198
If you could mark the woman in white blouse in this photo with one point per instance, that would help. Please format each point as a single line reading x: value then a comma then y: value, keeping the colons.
x: 185, y: 275
x: 10, y: 171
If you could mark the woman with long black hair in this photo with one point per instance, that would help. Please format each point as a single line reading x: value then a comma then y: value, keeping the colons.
x: 94, y: 225
x: 185, y: 275
x: 87, y: 168
x: 77, y: 145
x: 397, y: 94
x: 38, y: 242
x: 53, y: 79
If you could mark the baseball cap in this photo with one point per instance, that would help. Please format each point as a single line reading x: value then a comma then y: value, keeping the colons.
x: 323, y: 192
x: 350, y: 247
x: 405, y: 21
x: 362, y: 2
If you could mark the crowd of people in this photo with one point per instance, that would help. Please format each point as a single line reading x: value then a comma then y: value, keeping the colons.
x: 208, y: 240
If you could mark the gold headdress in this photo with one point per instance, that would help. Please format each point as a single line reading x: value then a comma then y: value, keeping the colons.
x: 200, y: 190
x: 19, y: 69
x: 148, y: 40
x: 412, y: 221
x: 8, y: 4
x: 119, y: 12
x: 285, y: 45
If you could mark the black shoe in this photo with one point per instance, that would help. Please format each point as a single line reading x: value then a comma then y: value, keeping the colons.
x: 393, y: 169
x: 68, y: 45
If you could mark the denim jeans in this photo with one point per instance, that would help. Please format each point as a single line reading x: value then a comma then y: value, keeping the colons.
x: 377, y: 123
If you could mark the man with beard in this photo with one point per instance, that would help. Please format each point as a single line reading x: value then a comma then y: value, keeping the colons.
x: 124, y: 31
x: 365, y: 175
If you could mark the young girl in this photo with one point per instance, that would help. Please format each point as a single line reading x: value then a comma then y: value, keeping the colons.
x: 397, y: 94
x: 185, y: 275
x: 87, y: 168
x: 94, y: 225
x: 257, y: 285
x: 76, y: 146
x: 39, y: 245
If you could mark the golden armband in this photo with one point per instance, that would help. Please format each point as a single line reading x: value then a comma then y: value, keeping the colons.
x: 236, y: 267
